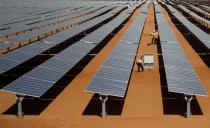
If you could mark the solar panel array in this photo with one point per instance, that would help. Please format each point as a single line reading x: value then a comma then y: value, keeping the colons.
x: 20, y: 55
x: 44, y: 20
x: 180, y: 75
x: 206, y: 8
x: 197, y: 9
x: 20, y: 9
x: 113, y: 76
x: 196, y: 31
x: 191, y: 2
x: 37, y: 81
x: 22, y: 14
x: 194, y: 15
x: 50, y: 29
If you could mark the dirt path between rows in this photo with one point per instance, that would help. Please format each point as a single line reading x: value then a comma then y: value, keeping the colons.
x: 144, y: 89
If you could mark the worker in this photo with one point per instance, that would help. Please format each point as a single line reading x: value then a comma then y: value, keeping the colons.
x: 156, y: 37
x: 152, y: 36
x: 140, y: 65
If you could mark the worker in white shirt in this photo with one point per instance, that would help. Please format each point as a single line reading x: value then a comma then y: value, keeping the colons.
x: 140, y: 65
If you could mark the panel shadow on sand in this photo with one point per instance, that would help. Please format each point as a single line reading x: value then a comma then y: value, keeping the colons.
x: 114, y: 106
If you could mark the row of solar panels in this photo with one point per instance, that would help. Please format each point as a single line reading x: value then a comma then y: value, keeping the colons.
x: 37, y: 81
x: 191, y: 2
x: 200, y: 11
x: 20, y: 16
x: 194, y: 15
x: 206, y: 8
x: 28, y: 24
x: 200, y: 8
x: 55, y: 3
x: 113, y: 76
x: 52, y: 18
x: 181, y: 77
x: 43, y: 20
x: 38, y: 33
x: 28, y: 10
x: 196, y: 31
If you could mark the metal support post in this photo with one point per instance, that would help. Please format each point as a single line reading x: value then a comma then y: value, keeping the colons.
x: 188, y: 99
x: 19, y: 102
x: 103, y: 100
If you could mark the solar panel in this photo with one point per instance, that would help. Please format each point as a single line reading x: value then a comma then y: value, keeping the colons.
x: 4, y: 44
x: 110, y: 73
x: 107, y: 87
x: 45, y: 74
x: 5, y: 64
x: 118, y: 9
x: 122, y: 55
x: 18, y: 56
x: 36, y: 87
x: 121, y: 64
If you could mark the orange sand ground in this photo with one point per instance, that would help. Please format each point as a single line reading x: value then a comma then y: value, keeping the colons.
x: 143, y: 105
